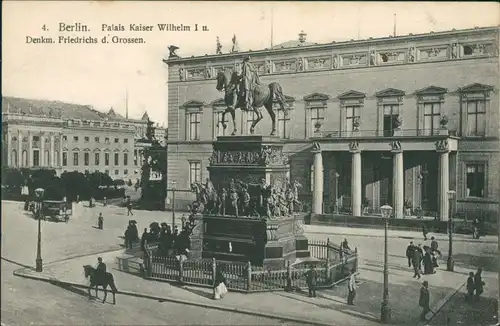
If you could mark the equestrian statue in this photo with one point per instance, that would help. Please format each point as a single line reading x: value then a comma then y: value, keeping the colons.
x: 247, y: 93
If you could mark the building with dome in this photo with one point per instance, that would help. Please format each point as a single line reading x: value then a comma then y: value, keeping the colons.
x: 392, y: 120
x: 71, y: 137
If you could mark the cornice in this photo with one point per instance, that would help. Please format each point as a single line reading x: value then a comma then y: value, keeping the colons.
x: 404, y: 40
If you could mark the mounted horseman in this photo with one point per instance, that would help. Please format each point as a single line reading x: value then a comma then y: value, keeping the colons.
x: 247, y: 93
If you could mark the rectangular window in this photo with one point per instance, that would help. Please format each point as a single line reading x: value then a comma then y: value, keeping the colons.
x: 391, y: 115
x: 283, y: 124
x: 194, y: 126
x: 65, y: 159
x: 75, y: 138
x: 117, y: 159
x: 86, y: 159
x: 219, y: 124
x: 106, y: 140
x: 125, y: 172
x: 75, y: 159
x: 475, y: 180
x: 251, y: 117
x: 117, y: 172
x: 65, y: 138
x: 86, y: 139
x: 96, y: 139
x: 125, y: 140
x: 36, y: 138
x: 317, y: 117
x: 351, y: 116
x: 96, y: 158
x: 432, y: 115
x: 117, y: 140
x: 135, y: 157
x: 476, y: 118
x: 125, y: 159
x: 36, y: 158
x: 194, y: 172
x: 106, y: 159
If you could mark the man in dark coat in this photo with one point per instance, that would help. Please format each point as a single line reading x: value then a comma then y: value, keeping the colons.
x: 470, y: 287
x: 100, y: 269
x: 478, y: 283
x: 144, y: 238
x: 409, y: 252
x: 427, y: 260
x: 424, y: 232
x: 434, y: 246
x: 424, y: 300
x: 100, y: 221
x: 417, y: 257
x: 311, y: 276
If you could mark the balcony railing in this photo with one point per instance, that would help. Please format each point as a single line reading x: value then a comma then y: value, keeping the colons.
x: 384, y: 133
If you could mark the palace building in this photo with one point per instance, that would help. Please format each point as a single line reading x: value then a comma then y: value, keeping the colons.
x: 70, y: 137
x: 395, y: 120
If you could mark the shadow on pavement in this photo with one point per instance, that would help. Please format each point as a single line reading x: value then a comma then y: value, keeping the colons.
x: 201, y: 293
x: 487, y: 263
x: 18, y: 264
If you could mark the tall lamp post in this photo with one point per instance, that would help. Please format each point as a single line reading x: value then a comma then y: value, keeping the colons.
x: 173, y: 203
x: 450, y: 264
x: 39, y: 199
x: 385, y: 310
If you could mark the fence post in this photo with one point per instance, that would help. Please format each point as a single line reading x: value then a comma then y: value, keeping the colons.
x: 341, y: 252
x: 288, y: 287
x: 356, y: 261
x: 149, y: 260
x: 214, y: 271
x: 249, y: 276
x: 181, y: 270
x: 328, y: 276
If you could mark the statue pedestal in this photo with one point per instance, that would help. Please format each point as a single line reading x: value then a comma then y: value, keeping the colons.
x: 251, y: 163
x: 267, y: 243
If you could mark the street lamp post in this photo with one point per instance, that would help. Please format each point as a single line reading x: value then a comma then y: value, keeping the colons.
x: 450, y: 264
x: 39, y: 198
x: 173, y: 203
x: 385, y: 311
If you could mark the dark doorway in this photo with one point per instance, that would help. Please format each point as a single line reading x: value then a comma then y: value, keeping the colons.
x: 383, y: 172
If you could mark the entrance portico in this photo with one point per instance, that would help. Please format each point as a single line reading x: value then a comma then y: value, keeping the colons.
x: 361, y: 175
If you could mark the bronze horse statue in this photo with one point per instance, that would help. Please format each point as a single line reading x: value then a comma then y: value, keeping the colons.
x: 95, y: 280
x: 262, y: 96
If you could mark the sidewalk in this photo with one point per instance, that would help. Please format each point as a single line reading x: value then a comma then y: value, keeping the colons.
x: 328, y: 308
x: 379, y: 233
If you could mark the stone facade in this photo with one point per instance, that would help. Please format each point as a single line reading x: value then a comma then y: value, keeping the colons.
x: 386, y: 100
x: 69, y: 137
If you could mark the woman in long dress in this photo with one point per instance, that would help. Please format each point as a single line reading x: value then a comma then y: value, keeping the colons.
x: 220, y: 288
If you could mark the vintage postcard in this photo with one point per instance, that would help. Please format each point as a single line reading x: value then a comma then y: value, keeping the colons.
x: 250, y: 163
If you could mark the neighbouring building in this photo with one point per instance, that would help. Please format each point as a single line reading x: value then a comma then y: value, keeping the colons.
x: 70, y: 137
x: 372, y: 122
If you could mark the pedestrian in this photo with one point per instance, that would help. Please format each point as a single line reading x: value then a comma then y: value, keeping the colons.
x: 351, y: 286
x: 220, y: 288
x: 100, y: 269
x: 424, y: 300
x: 409, y: 252
x: 129, y: 207
x: 91, y: 203
x: 311, y: 281
x: 470, y: 287
x: 416, y: 259
x: 105, y: 201
x: 427, y: 260
x: 100, y: 221
x: 475, y: 232
x: 479, y: 283
x: 144, y: 238
x: 424, y: 232
x: 434, y: 246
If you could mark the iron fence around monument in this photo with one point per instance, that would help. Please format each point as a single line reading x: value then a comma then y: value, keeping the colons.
x: 332, y: 266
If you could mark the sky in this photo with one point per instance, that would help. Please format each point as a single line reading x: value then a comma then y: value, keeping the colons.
x: 102, y: 74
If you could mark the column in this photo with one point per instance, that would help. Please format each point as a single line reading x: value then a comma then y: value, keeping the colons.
x: 356, y: 191
x: 317, y: 202
x: 398, y: 180
x: 444, y: 182
x: 41, y: 156
x: 19, y: 148
x: 60, y: 150
x: 52, y: 162
x: 30, y: 149
x: 9, y: 147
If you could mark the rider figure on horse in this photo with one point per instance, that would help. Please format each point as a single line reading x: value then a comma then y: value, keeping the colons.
x: 249, y: 78
x: 100, y: 269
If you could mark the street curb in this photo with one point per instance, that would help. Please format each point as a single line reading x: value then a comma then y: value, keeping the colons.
x: 437, y: 308
x: 395, y: 236
x: 51, y: 280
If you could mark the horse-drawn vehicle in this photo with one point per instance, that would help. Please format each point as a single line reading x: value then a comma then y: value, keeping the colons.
x: 54, y: 210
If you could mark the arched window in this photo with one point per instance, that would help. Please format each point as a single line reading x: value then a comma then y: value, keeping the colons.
x: 25, y: 158
x: 46, y: 158
x: 56, y: 158
x: 13, y: 158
